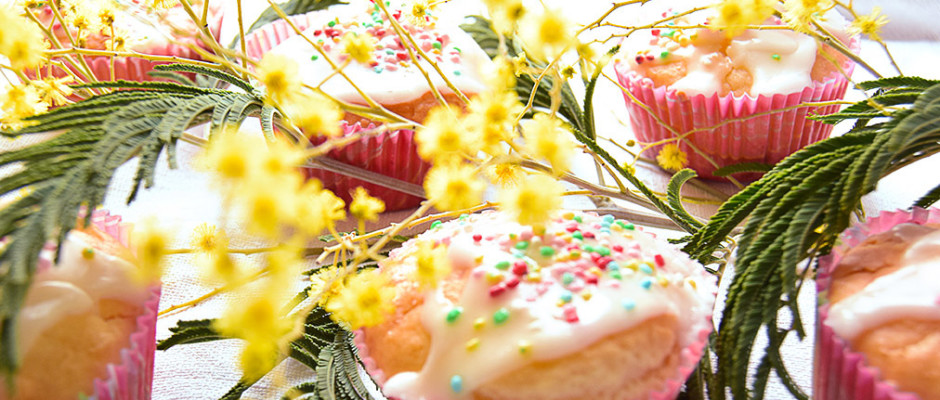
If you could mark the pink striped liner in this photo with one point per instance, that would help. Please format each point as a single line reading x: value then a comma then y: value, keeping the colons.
x: 393, y: 154
x: 839, y: 372
x: 764, y: 139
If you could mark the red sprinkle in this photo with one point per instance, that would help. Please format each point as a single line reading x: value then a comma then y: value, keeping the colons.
x: 397, y: 14
x: 497, y: 290
x: 650, y: 57
x: 478, y: 237
x: 591, y: 278
x: 659, y: 260
x: 595, y: 257
x: 513, y: 282
x: 603, y: 261
x: 317, y: 32
x: 588, y: 235
x: 520, y: 268
x: 618, y: 248
x: 570, y: 313
x: 401, y: 56
x: 655, y: 32
x: 639, y: 59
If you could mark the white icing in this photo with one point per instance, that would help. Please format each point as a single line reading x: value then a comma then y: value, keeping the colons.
x: 788, y: 72
x: 73, y: 287
x: 534, y: 313
x: 910, y: 292
x: 405, y: 83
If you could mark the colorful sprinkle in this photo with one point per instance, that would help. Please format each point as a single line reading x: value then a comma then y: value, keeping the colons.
x: 502, y: 265
x: 566, y: 296
x: 660, y: 261
x: 314, y: 57
x: 646, y: 269
x: 546, y: 251
x: 664, y: 54
x: 616, y: 275
x: 494, y: 277
x: 453, y: 314
x: 500, y: 316
x: 578, y: 218
x: 472, y: 344
x: 524, y: 346
x: 567, y: 278
x: 646, y: 283
x: 479, y: 323
x: 456, y: 383
x: 520, y: 268
x: 435, y: 224
x: 88, y: 253
x: 522, y: 245
x: 775, y: 57
x: 570, y: 313
x: 628, y: 304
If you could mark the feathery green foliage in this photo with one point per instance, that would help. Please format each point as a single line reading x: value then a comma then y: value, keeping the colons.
x: 796, y: 212
x: 61, y: 176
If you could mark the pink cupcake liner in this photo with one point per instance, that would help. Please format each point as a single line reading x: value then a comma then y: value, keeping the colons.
x: 131, y: 68
x: 690, y: 356
x: 393, y: 154
x: 840, y: 373
x: 130, y: 378
x: 764, y: 139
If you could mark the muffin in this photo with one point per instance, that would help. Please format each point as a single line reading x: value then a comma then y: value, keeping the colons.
x: 878, y: 335
x: 750, y: 85
x: 586, y: 307
x: 143, y: 30
x: 85, y: 328
x: 391, y: 79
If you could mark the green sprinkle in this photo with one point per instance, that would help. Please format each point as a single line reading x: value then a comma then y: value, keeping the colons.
x: 669, y: 33
x: 616, y: 274
x: 389, y: 52
x: 588, y: 248
x: 331, y: 24
x: 458, y: 49
x: 377, y: 70
x: 453, y: 314
x: 602, y: 251
x: 457, y: 73
x: 546, y: 251
x: 566, y: 296
x: 577, y: 235
x: 522, y: 245
x: 775, y: 57
x: 664, y: 54
x: 512, y: 236
x: 436, y: 45
x: 314, y: 57
x: 567, y: 278
x: 502, y: 265
x: 500, y: 316
x: 463, y: 217
x: 435, y: 224
x: 578, y: 218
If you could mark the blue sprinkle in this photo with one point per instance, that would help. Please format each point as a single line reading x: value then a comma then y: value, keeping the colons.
x: 605, y: 230
x: 567, y: 278
x: 456, y: 383
x: 646, y: 283
x: 646, y: 268
x: 628, y: 304
x: 566, y: 296
x: 609, y: 219
x: 613, y: 266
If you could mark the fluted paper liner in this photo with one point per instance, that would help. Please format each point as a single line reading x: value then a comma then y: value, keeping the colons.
x: 841, y: 373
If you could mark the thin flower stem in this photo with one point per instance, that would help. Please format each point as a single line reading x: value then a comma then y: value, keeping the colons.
x: 241, y: 36
x: 150, y: 57
x: 54, y: 5
x: 613, y: 8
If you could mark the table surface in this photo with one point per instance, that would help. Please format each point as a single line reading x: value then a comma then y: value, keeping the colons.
x: 184, y: 198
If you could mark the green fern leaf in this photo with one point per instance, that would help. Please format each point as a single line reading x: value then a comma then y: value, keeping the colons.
x: 198, y: 69
x: 674, y: 196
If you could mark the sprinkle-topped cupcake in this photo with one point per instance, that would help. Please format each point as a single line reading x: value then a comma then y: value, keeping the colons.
x: 360, y: 38
x: 587, y: 306
x: 385, y: 68
x: 729, y: 100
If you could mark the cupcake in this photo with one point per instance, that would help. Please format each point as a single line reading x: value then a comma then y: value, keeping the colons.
x: 138, y: 29
x: 85, y: 328
x: 391, y: 79
x: 750, y: 84
x: 586, y: 307
x: 878, y: 334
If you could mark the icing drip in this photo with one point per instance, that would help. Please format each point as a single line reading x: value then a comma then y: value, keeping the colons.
x: 536, y: 297
x: 391, y: 77
x: 912, y: 291
x: 82, y: 277
x: 779, y: 61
